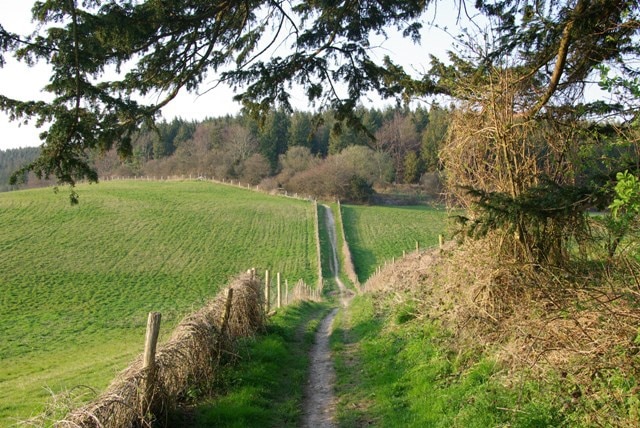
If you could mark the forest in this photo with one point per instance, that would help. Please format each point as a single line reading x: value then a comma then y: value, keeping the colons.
x: 301, y: 152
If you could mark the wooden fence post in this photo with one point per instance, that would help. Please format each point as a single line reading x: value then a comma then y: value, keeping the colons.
x: 417, y: 246
x: 441, y: 240
x: 279, y: 291
x: 149, y: 359
x: 286, y: 292
x: 227, y: 310
x: 267, y: 292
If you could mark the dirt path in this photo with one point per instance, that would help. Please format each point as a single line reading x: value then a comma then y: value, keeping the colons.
x: 319, y: 405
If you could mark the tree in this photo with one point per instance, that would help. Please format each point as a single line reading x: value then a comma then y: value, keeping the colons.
x: 433, y: 137
x: 170, y: 46
x: 301, y: 131
x: 412, y: 168
x: 511, y: 153
x: 398, y: 137
x: 274, y: 136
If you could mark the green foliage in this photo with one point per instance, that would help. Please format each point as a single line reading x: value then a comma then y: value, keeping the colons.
x: 274, y: 135
x: 169, y: 47
x: 412, y: 168
x: 626, y: 203
x: 622, y: 222
x: 543, y: 219
x: 376, y: 234
x: 433, y: 137
x: 78, y: 282
x: 359, y: 190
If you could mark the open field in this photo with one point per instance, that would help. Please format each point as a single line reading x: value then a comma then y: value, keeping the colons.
x: 378, y: 233
x: 77, y: 282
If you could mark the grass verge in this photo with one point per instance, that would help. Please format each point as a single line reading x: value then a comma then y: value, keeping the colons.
x: 396, y: 370
x: 266, y: 386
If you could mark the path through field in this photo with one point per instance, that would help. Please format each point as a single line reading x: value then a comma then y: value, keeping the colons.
x: 319, y: 406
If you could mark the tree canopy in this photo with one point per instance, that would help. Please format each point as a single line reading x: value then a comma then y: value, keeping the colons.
x: 106, y: 56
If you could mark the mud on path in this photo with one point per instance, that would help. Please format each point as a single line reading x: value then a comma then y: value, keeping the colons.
x: 319, y: 404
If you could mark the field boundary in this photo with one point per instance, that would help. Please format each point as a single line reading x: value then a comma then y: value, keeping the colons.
x: 201, y: 343
x: 316, y: 224
x: 349, y: 267
x: 230, y: 182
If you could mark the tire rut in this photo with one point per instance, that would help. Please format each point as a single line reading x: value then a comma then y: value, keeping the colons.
x: 319, y: 405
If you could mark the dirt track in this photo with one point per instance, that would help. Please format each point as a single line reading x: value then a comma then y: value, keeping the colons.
x: 319, y: 406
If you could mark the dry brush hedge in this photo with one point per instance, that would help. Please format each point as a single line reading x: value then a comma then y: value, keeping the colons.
x: 190, y: 358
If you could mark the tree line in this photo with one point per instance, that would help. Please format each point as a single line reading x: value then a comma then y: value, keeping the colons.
x: 301, y: 152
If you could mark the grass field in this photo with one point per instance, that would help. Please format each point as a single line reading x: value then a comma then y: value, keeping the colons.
x: 76, y: 283
x: 377, y: 234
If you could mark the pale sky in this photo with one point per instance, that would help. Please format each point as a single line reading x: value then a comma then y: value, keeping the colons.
x: 25, y: 83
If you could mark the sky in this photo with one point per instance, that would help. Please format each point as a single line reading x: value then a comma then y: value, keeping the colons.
x: 25, y: 83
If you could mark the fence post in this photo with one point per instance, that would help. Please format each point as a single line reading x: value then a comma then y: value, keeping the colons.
x: 267, y: 292
x: 441, y: 240
x: 417, y: 246
x: 227, y: 310
x: 279, y: 291
x: 149, y: 359
x: 286, y: 292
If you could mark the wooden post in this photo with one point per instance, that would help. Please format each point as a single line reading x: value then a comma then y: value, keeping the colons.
x: 441, y: 240
x: 286, y: 292
x: 404, y: 253
x: 279, y: 291
x: 149, y: 359
x: 417, y: 246
x: 267, y: 292
x: 227, y: 310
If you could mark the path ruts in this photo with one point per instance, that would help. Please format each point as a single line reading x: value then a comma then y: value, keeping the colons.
x: 319, y: 405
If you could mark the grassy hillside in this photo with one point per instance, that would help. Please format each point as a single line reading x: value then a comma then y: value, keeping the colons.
x: 77, y: 282
x: 377, y: 234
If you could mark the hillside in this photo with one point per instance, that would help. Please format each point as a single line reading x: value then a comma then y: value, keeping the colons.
x: 77, y: 282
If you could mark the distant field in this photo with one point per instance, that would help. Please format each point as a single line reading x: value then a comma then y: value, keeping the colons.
x: 76, y: 283
x: 377, y: 234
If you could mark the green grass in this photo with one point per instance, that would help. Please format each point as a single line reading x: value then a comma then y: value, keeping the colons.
x: 377, y: 234
x: 266, y: 387
x: 394, y: 370
x: 77, y: 282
